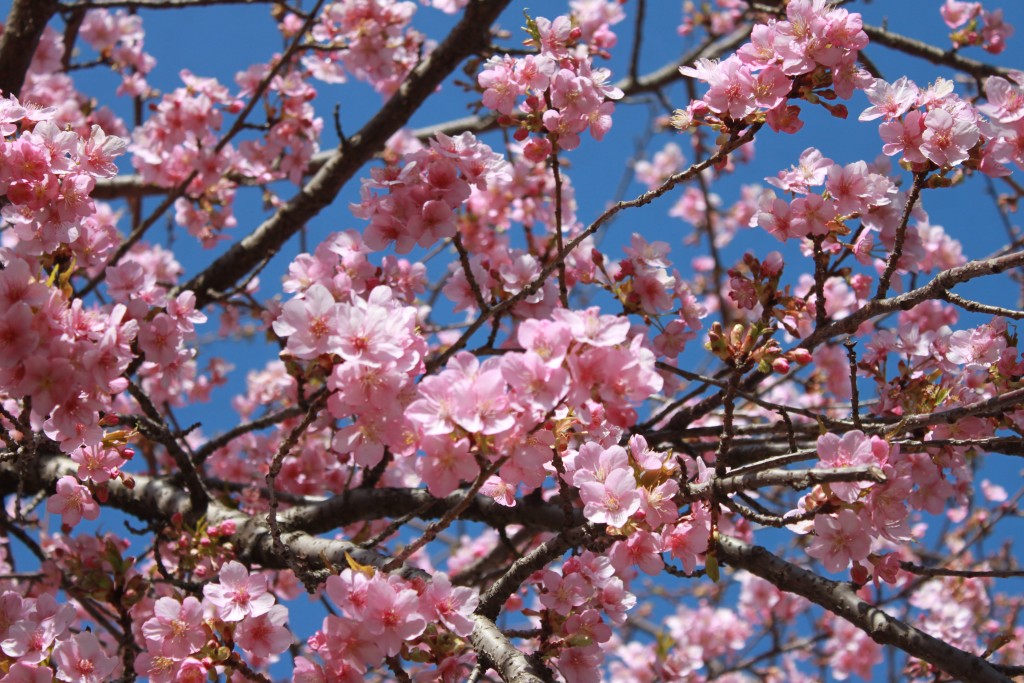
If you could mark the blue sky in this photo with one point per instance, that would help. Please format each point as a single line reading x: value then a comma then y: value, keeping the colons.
x: 221, y: 41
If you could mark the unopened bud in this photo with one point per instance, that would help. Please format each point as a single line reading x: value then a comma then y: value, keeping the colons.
x: 800, y: 356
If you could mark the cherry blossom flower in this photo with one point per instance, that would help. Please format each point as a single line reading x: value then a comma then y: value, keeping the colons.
x: 80, y: 659
x: 311, y: 323
x: 890, y: 100
x: 238, y: 595
x: 839, y: 539
x: 451, y: 605
x: 392, y: 614
x: 946, y: 140
x: 266, y: 634
x: 176, y: 628
x: 72, y: 502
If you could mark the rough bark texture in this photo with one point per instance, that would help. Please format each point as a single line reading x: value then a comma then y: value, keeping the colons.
x: 22, y: 31
x: 841, y: 599
x: 512, y: 664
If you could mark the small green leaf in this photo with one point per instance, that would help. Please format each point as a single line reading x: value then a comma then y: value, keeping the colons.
x: 711, y: 567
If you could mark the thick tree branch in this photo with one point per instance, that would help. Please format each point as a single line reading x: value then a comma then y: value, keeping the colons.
x: 842, y: 600
x: 126, y: 186
x: 468, y: 36
x: 360, y: 505
x: 934, y: 54
x: 507, y: 660
x: 22, y: 31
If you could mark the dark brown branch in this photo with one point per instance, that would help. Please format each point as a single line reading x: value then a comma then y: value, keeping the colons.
x: 966, y: 573
x: 841, y: 599
x: 362, y: 504
x: 934, y: 54
x: 22, y: 31
x: 468, y: 36
x: 901, y: 234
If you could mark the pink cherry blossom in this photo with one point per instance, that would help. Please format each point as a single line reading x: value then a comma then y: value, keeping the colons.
x: 611, y: 501
x: 392, y: 614
x: 176, y: 628
x: 238, y: 595
x: 266, y: 634
x: 80, y: 659
x: 839, y: 539
x: 72, y: 502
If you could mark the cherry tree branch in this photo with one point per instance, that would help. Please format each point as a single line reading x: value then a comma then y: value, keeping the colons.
x: 732, y: 144
x: 795, y: 479
x: 467, y: 37
x: 362, y: 504
x: 507, y: 660
x: 921, y: 570
x: 901, y: 233
x: 942, y: 282
x: 22, y: 31
x: 934, y: 54
x: 841, y: 599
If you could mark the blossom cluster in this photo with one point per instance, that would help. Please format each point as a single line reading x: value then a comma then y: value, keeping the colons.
x: 424, y: 190
x: 47, y: 175
x: 39, y: 640
x: 585, y: 363
x: 578, y: 597
x: 183, y: 634
x: 855, y: 191
x: 972, y: 24
x: 564, y: 94
x: 371, y: 41
x: 180, y: 143
x: 119, y: 38
x: 867, y: 520
x: 384, y: 615
x: 812, y: 54
x: 378, y: 352
x: 67, y: 358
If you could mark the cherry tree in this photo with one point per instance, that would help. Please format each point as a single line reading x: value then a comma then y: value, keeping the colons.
x: 491, y: 425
